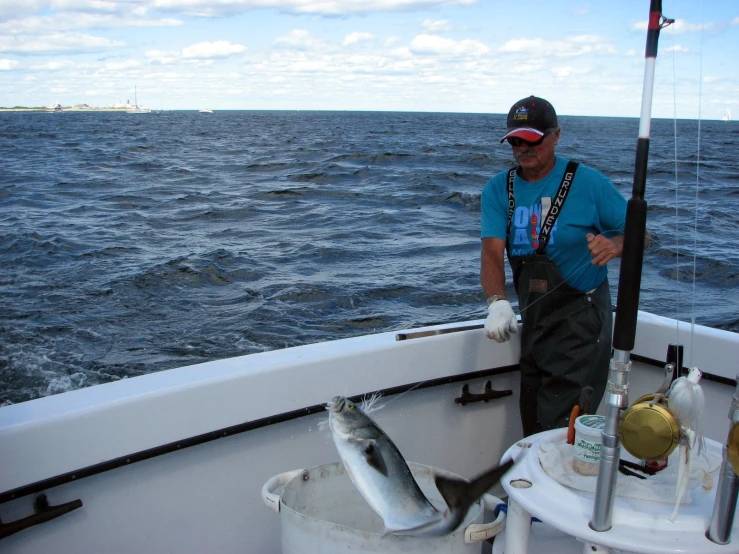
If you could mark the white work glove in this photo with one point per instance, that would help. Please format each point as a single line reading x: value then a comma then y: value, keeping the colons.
x: 501, y: 321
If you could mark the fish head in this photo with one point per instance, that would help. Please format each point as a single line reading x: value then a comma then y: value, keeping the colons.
x: 342, y: 405
x: 346, y: 417
x: 337, y: 403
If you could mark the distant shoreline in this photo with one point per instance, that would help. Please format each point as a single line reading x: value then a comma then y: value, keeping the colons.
x: 71, y: 109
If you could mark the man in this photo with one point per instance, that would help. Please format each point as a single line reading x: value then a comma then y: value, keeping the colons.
x: 559, y: 223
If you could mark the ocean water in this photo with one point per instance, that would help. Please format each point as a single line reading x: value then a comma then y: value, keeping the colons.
x: 137, y: 243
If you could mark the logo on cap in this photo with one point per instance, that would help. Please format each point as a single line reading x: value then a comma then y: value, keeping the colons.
x: 521, y: 114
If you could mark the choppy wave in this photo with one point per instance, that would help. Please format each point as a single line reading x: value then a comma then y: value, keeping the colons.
x: 133, y: 245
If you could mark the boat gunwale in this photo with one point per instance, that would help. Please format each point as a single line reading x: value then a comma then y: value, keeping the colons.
x: 89, y: 471
x: 196, y: 440
x: 221, y: 398
x: 60, y: 434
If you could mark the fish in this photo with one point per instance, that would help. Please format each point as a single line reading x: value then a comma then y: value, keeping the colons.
x: 382, y: 476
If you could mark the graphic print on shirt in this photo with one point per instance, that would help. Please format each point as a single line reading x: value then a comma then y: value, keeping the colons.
x: 525, y: 229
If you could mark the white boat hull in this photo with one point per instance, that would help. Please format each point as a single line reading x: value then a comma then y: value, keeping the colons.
x: 228, y: 426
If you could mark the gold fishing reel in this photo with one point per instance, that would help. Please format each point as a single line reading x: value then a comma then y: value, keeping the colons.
x: 649, y: 431
x: 732, y: 447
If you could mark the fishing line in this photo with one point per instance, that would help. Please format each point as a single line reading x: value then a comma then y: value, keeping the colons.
x: 697, y: 185
x: 677, y: 199
x: 369, y: 401
x: 375, y: 397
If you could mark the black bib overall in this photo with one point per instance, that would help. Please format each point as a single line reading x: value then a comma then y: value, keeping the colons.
x: 566, y: 334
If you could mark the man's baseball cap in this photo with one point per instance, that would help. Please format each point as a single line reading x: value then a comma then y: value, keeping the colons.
x: 530, y: 118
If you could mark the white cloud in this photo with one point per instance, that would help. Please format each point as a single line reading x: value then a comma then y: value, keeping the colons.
x: 523, y: 45
x: 161, y: 56
x: 353, y: 38
x: 119, y: 66
x: 53, y: 65
x: 210, y: 50
x: 300, y: 39
x: 569, y: 47
x: 313, y: 7
x: 203, y: 53
x: 523, y: 68
x: 676, y: 48
x: 568, y: 71
x: 437, y: 25
x: 432, y: 44
x: 87, y: 5
x: 56, y: 42
x: 341, y: 62
x: 563, y: 72
x: 403, y: 53
x: 7, y: 64
x: 680, y: 27
x: 16, y: 8
x: 75, y: 21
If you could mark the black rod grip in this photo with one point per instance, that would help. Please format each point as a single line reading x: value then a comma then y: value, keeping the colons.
x: 629, y: 282
x: 640, y: 168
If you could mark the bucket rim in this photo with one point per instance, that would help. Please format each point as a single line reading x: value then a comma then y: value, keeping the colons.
x: 413, y: 466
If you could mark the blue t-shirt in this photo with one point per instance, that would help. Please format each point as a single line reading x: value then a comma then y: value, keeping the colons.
x: 594, y: 205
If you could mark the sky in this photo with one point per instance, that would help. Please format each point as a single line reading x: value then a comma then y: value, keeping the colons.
x: 478, y: 56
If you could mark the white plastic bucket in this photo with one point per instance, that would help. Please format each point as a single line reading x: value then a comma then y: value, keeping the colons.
x: 588, y: 430
x: 322, y: 512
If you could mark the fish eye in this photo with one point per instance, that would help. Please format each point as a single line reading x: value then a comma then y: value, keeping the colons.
x: 350, y: 406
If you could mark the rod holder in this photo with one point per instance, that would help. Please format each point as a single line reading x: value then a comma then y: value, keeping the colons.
x: 617, y: 399
x: 675, y: 354
x: 727, y: 491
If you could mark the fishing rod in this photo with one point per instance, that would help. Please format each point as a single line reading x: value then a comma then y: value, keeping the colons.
x: 627, y: 306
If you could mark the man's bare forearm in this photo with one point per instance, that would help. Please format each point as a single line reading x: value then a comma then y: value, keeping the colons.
x: 492, y: 268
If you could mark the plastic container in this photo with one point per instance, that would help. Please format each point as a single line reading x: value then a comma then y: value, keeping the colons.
x: 322, y: 512
x: 588, y: 429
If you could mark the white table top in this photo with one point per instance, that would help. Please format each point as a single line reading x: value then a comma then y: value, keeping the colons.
x: 638, y: 525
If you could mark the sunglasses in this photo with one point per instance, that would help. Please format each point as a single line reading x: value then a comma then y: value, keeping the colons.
x: 516, y: 141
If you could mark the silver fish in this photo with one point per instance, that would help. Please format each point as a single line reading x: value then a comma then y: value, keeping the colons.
x: 381, y: 474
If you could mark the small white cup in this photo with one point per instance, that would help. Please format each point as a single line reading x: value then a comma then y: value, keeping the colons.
x: 588, y: 429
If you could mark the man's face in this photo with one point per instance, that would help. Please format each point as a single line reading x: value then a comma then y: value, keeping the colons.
x: 536, y: 158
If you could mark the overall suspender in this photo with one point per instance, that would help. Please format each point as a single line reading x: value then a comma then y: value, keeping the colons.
x: 551, y: 216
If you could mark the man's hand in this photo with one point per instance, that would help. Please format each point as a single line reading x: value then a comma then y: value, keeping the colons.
x: 603, y: 249
x: 501, y: 321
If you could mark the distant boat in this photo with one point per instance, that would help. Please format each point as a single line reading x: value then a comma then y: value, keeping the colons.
x: 136, y: 108
x: 727, y: 115
x: 206, y: 110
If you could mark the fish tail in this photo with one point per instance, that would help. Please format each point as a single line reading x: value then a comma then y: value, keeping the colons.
x: 459, y: 494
